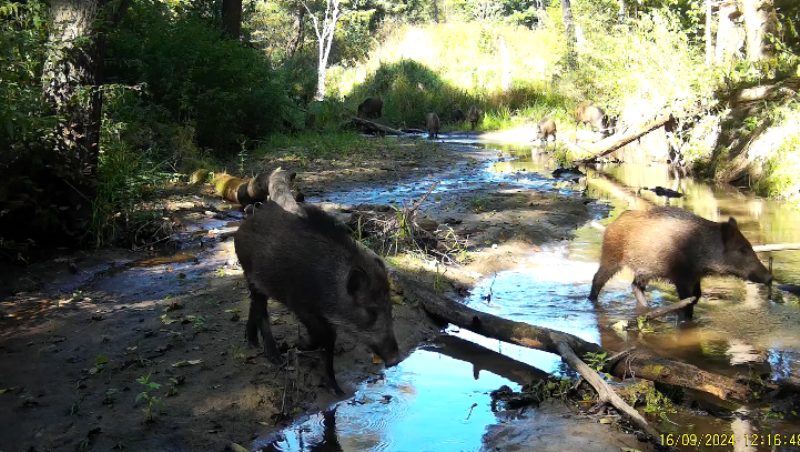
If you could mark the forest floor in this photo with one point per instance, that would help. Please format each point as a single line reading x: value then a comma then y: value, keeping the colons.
x: 79, y: 334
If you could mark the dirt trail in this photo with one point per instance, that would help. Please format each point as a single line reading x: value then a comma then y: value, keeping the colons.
x: 74, y: 344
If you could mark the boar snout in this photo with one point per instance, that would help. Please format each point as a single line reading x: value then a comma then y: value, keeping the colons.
x: 387, y: 350
x: 761, y: 275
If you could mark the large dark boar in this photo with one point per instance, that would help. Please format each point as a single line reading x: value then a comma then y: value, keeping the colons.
x: 372, y: 108
x: 432, y: 123
x: 311, y: 264
x: 587, y: 113
x: 474, y: 116
x: 676, y: 245
x: 456, y: 115
x: 545, y: 129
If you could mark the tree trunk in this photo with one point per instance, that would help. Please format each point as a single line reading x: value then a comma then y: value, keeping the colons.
x: 709, y: 44
x: 569, y: 26
x: 730, y: 35
x: 72, y: 75
x: 299, y: 31
x: 759, y: 20
x: 623, y: 11
x: 232, y: 18
x: 616, y: 141
x: 435, y: 11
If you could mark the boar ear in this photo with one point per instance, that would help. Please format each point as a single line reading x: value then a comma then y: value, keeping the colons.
x: 357, y: 280
x: 727, y: 230
x: 380, y: 263
x: 732, y: 221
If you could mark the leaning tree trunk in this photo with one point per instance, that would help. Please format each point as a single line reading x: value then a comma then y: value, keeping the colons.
x: 569, y: 26
x: 232, y: 18
x: 435, y: 11
x: 759, y: 21
x: 72, y: 78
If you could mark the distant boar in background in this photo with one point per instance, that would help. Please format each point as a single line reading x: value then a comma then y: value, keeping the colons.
x: 456, y: 115
x: 372, y: 108
x: 545, y: 129
x: 474, y: 116
x: 432, y: 123
x: 676, y: 245
x: 587, y: 113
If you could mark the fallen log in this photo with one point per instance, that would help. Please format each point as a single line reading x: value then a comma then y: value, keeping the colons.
x: 637, y: 364
x: 777, y: 247
x: 787, y: 88
x: 375, y: 127
x: 604, y: 393
x: 608, y: 145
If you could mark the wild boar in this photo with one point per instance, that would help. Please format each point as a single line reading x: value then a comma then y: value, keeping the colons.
x: 545, y: 129
x: 310, y: 263
x: 432, y: 123
x: 474, y: 116
x: 593, y: 115
x: 676, y: 245
x: 372, y: 108
x: 456, y: 115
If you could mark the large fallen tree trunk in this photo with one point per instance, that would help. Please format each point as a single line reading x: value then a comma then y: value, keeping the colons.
x: 787, y: 88
x: 616, y: 141
x: 637, y: 364
x: 374, y: 127
x: 777, y: 247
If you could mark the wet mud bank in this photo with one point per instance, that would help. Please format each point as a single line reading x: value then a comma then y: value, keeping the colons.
x: 76, y: 347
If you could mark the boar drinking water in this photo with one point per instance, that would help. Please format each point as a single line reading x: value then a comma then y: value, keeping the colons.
x: 372, y: 108
x: 311, y: 264
x: 676, y: 245
x: 474, y: 116
x: 432, y: 123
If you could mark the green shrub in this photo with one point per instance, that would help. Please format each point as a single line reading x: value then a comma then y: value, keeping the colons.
x: 225, y: 91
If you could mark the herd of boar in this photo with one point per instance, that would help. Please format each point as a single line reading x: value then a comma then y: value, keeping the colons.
x: 585, y: 114
x: 303, y: 257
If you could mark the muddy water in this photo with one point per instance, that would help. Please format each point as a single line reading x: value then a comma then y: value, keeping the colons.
x: 434, y: 402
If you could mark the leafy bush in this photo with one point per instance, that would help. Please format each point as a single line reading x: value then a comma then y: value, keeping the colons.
x: 226, y: 92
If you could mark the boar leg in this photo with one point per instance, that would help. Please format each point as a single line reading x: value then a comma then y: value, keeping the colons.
x: 259, y: 316
x: 686, y: 291
x: 604, y: 273
x: 323, y: 335
x: 639, y: 285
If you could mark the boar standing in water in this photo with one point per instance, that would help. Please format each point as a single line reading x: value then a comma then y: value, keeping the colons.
x: 587, y: 113
x: 300, y: 256
x: 546, y: 129
x: 474, y: 116
x: 432, y: 123
x: 676, y: 245
x: 456, y: 115
x: 372, y: 108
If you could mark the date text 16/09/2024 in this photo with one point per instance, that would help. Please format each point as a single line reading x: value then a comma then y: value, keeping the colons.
x: 727, y: 439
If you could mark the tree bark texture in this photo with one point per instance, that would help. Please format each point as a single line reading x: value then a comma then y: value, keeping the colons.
x: 569, y: 26
x: 709, y: 43
x: 637, y: 364
x: 72, y: 78
x: 299, y: 31
x: 232, y: 18
x: 730, y: 33
x: 759, y: 21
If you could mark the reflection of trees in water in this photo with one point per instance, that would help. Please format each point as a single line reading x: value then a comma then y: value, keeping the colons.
x: 328, y: 443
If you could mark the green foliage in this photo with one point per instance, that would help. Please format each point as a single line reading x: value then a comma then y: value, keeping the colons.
x: 147, y: 395
x: 224, y: 91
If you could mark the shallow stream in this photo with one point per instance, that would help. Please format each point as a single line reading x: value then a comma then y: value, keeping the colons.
x: 436, y: 400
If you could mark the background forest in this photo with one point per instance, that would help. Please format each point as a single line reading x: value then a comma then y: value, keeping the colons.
x: 104, y: 101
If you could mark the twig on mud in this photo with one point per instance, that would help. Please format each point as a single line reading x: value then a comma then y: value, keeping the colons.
x: 419, y: 202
